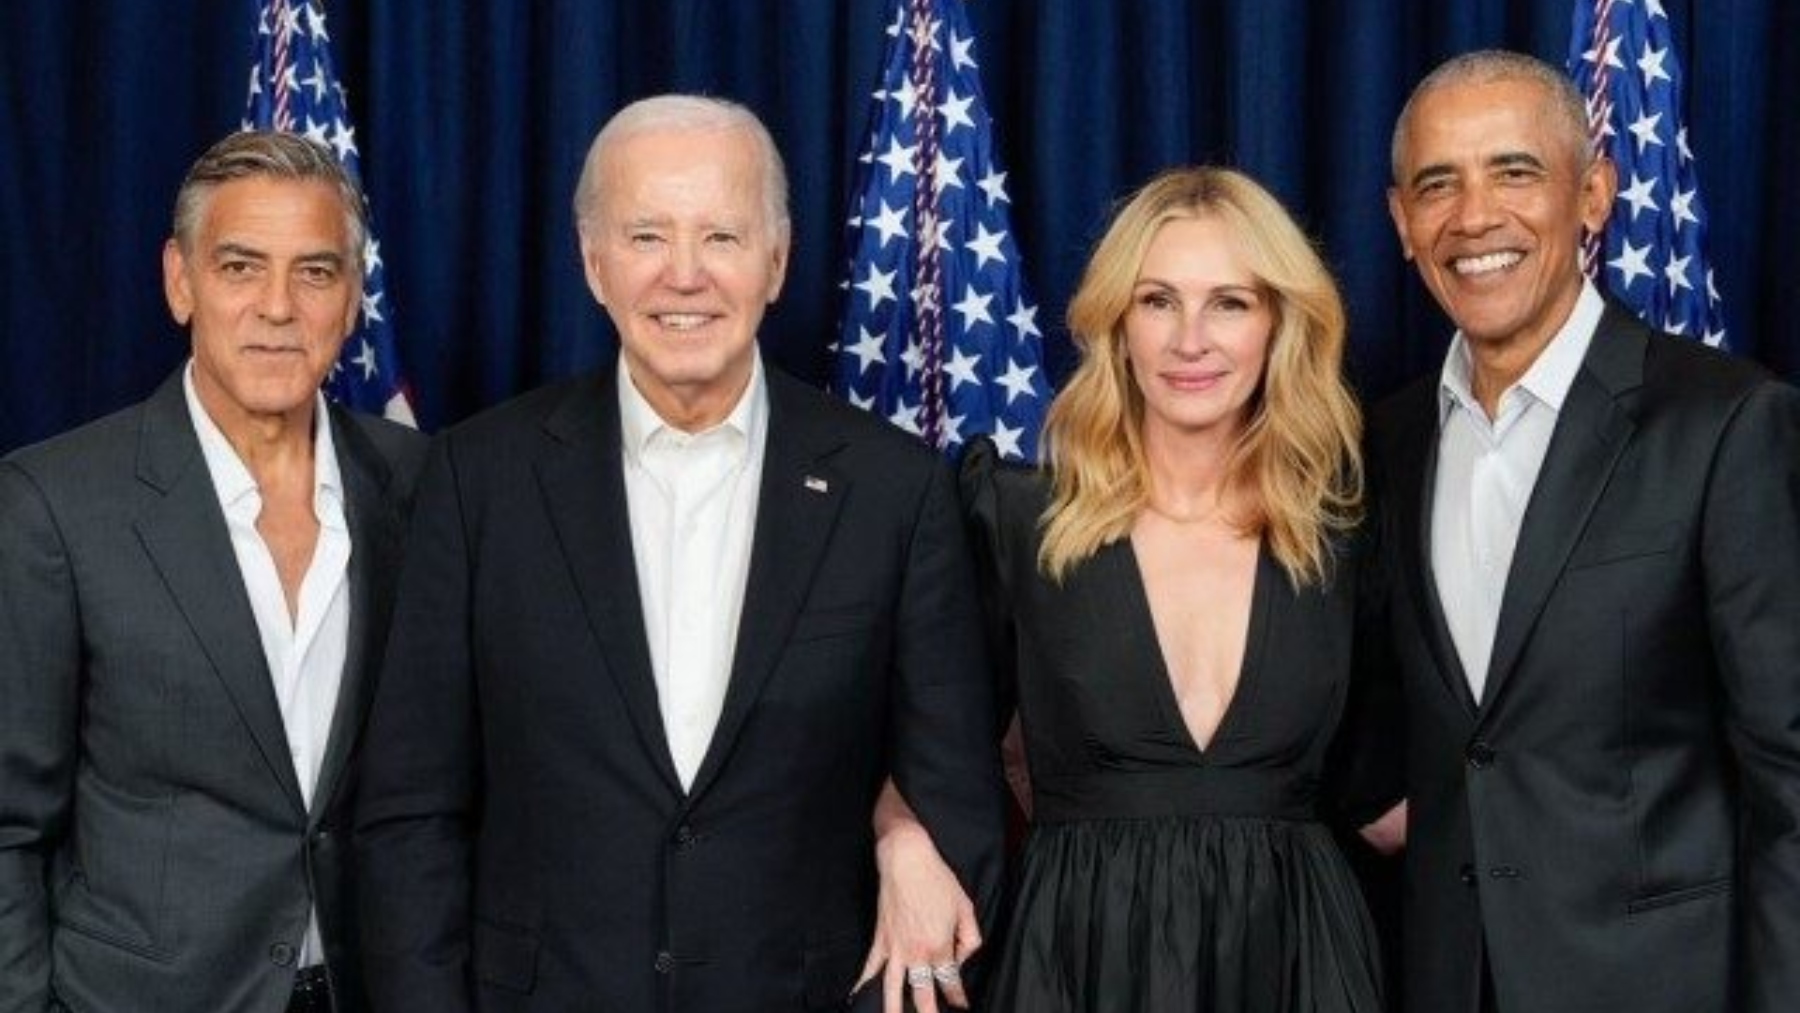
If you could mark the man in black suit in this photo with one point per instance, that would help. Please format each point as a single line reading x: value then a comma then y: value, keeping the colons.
x: 193, y: 594
x: 1592, y: 536
x: 663, y: 634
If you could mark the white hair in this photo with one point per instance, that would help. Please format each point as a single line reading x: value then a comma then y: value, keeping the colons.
x: 667, y: 113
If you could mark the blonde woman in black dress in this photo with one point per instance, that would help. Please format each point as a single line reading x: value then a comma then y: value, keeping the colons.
x: 1172, y: 603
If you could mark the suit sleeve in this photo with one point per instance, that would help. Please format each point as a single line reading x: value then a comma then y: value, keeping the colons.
x: 980, y: 496
x: 1751, y: 559
x: 1366, y: 770
x: 419, y: 789
x: 40, y: 658
x: 945, y: 754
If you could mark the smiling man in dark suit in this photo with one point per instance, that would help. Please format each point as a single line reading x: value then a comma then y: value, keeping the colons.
x: 1592, y: 534
x: 193, y: 594
x: 663, y: 634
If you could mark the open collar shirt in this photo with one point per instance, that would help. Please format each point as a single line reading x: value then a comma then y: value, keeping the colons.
x: 307, y: 650
x: 1486, y: 470
x: 692, y: 501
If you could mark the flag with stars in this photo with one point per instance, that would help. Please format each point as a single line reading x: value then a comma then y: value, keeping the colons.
x: 1653, y: 254
x: 294, y: 88
x: 939, y: 333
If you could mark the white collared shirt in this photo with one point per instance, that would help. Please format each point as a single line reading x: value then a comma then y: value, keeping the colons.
x: 692, y: 502
x: 1486, y: 470
x: 306, y: 653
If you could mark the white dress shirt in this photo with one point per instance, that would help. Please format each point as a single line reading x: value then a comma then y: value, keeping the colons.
x: 1486, y: 469
x: 692, y: 502
x: 306, y: 652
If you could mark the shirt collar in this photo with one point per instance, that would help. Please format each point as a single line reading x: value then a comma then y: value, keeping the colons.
x: 640, y: 425
x: 233, y: 482
x: 1551, y: 374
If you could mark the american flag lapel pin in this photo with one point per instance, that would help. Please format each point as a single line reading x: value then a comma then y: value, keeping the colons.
x: 817, y: 484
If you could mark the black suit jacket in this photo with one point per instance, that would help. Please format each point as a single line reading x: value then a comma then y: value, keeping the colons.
x: 1617, y: 825
x: 527, y: 842
x: 155, y: 853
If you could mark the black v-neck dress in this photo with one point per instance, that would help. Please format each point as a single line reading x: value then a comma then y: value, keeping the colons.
x: 1157, y: 876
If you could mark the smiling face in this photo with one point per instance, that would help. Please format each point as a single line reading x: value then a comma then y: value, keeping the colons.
x: 1490, y: 201
x: 1197, y: 331
x: 269, y: 291
x: 681, y: 251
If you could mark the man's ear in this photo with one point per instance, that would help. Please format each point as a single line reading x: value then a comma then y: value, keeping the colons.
x: 778, y: 268
x: 176, y: 287
x: 590, y: 267
x: 1599, y: 185
x: 1397, y: 211
x: 356, y: 303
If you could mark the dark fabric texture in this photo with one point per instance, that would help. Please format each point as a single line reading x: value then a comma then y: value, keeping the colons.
x: 1160, y: 876
x: 1612, y: 827
x: 523, y: 838
x: 156, y: 850
x: 472, y: 119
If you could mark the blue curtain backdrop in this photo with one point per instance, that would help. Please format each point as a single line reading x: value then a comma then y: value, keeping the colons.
x: 473, y: 117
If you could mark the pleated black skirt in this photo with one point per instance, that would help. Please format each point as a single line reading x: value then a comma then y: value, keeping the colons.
x: 1207, y: 914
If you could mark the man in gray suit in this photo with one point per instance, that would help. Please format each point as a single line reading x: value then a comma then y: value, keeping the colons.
x: 193, y: 594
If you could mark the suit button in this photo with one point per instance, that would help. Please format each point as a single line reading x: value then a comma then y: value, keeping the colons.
x: 1480, y: 754
x: 665, y: 962
x: 1466, y: 874
x: 282, y: 954
x: 685, y: 837
x: 1505, y: 872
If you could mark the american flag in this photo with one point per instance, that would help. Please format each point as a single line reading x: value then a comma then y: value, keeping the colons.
x: 939, y: 333
x: 294, y: 88
x: 1623, y: 61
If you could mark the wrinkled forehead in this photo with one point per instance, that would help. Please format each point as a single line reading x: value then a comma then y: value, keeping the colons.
x: 645, y: 155
x: 274, y: 209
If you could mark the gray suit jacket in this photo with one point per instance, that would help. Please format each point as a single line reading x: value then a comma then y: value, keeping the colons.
x: 155, y: 853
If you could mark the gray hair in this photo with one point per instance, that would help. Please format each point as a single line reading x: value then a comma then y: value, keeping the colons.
x: 666, y: 113
x: 268, y: 154
x: 1563, y: 103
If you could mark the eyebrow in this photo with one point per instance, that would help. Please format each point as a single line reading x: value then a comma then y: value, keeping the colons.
x: 1430, y: 172
x: 1515, y: 159
x: 1245, y: 288
x: 231, y: 249
x: 664, y: 221
x: 1503, y: 160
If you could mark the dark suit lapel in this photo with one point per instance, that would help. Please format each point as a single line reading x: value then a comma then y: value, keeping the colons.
x: 1591, y: 434
x: 1418, y: 462
x: 376, y: 530
x: 184, y: 534
x: 582, y: 477
x: 795, y: 512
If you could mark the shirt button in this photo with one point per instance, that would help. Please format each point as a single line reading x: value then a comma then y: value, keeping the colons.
x: 665, y: 962
x: 281, y: 954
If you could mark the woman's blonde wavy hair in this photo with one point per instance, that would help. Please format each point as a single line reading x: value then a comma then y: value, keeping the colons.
x: 1298, y: 456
